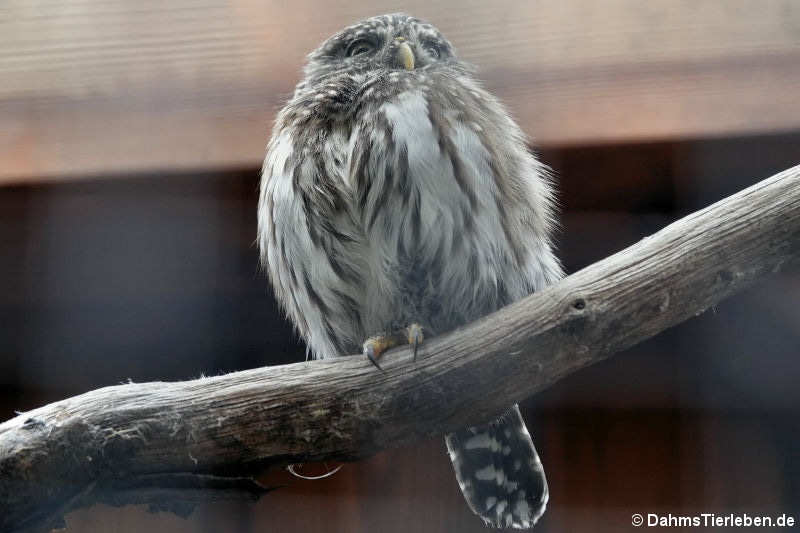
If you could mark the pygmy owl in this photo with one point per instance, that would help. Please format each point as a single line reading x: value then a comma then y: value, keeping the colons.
x: 400, y: 200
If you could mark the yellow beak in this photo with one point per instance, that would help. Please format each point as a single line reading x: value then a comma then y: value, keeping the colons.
x: 405, y: 56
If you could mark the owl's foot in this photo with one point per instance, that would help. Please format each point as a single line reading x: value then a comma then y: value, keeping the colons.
x: 374, y: 346
x: 377, y: 344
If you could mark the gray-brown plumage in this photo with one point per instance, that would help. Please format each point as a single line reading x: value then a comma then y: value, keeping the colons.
x: 397, y: 191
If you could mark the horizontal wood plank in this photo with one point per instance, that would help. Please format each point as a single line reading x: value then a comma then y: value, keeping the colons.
x: 98, y: 86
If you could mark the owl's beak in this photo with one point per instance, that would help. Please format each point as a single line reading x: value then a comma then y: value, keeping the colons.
x: 404, y: 55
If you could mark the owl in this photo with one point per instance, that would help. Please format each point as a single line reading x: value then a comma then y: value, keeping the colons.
x: 399, y: 200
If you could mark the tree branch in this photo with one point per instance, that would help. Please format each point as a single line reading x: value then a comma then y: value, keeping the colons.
x: 345, y: 409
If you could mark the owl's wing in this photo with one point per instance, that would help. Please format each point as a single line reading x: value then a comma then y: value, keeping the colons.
x: 309, y: 245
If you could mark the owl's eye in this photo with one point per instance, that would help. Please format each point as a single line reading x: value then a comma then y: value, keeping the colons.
x: 432, y: 49
x: 359, y: 47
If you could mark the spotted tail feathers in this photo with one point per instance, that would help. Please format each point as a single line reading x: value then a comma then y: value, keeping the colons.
x: 499, y: 471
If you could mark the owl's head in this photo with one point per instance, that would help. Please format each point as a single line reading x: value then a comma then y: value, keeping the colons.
x: 381, y: 44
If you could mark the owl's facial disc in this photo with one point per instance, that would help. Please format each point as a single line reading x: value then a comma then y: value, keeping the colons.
x: 386, y: 42
x: 374, y: 59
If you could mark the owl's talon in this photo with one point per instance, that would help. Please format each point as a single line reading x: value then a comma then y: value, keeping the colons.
x: 374, y: 362
x: 374, y: 347
x: 415, y: 337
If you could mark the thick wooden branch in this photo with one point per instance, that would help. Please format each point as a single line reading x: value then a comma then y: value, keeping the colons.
x: 345, y: 409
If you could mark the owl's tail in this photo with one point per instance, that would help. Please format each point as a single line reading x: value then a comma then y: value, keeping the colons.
x: 499, y: 471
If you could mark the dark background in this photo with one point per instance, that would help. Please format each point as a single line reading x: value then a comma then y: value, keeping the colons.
x: 154, y: 276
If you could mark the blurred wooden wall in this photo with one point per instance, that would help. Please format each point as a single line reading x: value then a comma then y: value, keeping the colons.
x: 97, y: 86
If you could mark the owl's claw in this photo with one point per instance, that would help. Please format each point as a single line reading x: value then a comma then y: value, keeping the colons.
x: 374, y: 362
x: 375, y: 346
x: 370, y: 353
x: 415, y: 337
